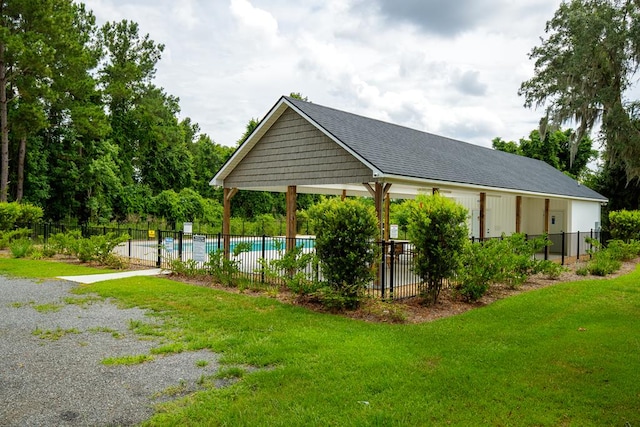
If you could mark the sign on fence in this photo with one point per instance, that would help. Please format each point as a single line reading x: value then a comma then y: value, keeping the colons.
x: 188, y: 227
x: 199, y: 248
x: 168, y: 244
x: 393, y: 231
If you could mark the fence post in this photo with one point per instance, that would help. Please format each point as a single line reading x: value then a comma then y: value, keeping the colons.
x: 546, y: 249
x: 383, y: 269
x: 264, y: 239
x: 392, y: 260
x: 562, y: 250
x: 591, y: 244
x: 578, y: 245
x: 159, y: 262
x: 180, y: 245
x: 130, y: 240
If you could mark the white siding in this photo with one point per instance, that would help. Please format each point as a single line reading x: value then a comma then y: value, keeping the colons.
x: 584, y: 216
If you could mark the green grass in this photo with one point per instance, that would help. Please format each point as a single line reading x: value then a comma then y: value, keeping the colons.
x: 44, y: 269
x: 135, y: 359
x: 563, y: 355
x: 53, y: 335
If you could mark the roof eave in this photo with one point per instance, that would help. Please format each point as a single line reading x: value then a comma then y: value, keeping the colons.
x: 436, y: 183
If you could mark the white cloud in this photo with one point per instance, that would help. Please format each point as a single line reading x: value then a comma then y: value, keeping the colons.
x: 229, y: 61
x: 258, y: 22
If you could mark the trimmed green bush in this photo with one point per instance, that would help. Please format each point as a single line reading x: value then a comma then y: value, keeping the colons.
x: 16, y: 213
x: 625, y: 225
x: 346, y: 235
x: 438, y: 230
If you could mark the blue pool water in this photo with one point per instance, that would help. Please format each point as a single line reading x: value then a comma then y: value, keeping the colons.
x: 256, y: 244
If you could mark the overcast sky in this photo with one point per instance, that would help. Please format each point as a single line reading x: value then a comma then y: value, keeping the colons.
x: 449, y: 67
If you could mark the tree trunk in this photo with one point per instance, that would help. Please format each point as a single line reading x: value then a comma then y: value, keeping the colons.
x: 21, y: 156
x: 4, y: 128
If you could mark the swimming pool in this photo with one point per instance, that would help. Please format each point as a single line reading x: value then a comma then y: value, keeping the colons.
x: 252, y: 244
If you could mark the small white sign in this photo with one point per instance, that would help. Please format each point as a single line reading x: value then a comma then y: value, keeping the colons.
x: 188, y: 227
x: 199, y: 248
x: 393, y: 231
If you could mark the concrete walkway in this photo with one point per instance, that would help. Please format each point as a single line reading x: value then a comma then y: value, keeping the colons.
x: 93, y: 278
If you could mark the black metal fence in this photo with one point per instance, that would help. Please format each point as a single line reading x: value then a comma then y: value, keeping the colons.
x: 394, y: 274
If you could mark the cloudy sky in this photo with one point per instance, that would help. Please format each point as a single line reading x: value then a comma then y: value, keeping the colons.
x: 450, y: 67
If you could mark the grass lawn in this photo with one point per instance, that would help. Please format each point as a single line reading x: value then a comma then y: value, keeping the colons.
x: 564, y: 355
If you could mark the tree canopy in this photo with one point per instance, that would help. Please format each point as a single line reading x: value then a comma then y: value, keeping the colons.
x: 584, y: 72
x: 85, y: 133
x: 554, y: 148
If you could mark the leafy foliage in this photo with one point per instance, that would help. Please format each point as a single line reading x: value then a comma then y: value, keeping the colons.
x: 17, y: 213
x: 583, y: 70
x: 609, y: 259
x: 625, y: 225
x: 508, y: 260
x: 437, y: 228
x: 346, y: 233
x: 290, y: 267
x: 554, y: 148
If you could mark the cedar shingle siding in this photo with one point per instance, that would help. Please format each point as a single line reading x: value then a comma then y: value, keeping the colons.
x: 293, y: 152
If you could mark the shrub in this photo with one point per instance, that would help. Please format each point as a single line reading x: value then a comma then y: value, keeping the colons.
x: 95, y: 248
x: 289, y: 267
x: 346, y: 234
x: 437, y: 228
x: 6, y: 237
x: 21, y: 248
x: 15, y: 213
x: 509, y: 260
x: 621, y: 251
x: 625, y: 225
x: 225, y: 271
x: 187, y: 268
x: 64, y: 243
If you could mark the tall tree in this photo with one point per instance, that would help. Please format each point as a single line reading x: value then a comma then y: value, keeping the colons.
x: 584, y: 69
x: 162, y: 160
x: 34, y: 44
x: 126, y: 74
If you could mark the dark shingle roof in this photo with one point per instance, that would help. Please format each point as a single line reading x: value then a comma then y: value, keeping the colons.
x: 401, y: 151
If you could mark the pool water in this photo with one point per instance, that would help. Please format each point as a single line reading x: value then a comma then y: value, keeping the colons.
x: 254, y: 245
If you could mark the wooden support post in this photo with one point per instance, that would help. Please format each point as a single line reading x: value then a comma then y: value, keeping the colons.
x: 378, y: 200
x: 228, y: 194
x: 344, y: 195
x: 387, y: 220
x: 292, y: 223
x: 483, y: 216
x: 546, y: 216
x: 518, y: 213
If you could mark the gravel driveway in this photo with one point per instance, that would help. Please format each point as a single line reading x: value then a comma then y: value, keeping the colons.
x: 46, y: 381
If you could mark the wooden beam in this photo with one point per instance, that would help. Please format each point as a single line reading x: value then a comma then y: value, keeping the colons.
x: 546, y: 216
x: 370, y: 189
x: 518, y: 213
x: 227, y: 195
x: 482, y: 219
x: 292, y: 223
x: 387, y: 220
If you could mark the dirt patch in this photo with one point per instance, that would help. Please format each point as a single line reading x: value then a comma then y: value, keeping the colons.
x: 413, y: 310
